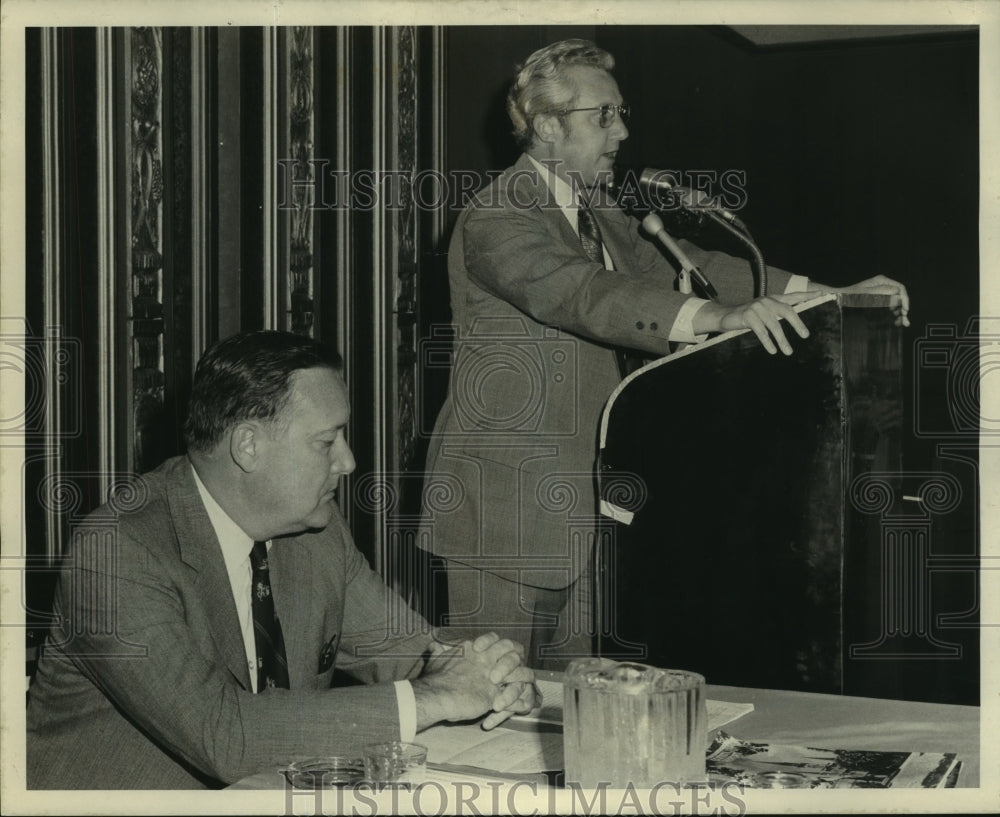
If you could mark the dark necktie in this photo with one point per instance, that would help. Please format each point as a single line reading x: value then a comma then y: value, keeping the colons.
x: 593, y: 246
x: 590, y: 234
x: 272, y: 668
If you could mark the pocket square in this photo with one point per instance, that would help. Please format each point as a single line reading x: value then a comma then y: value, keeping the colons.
x: 328, y: 654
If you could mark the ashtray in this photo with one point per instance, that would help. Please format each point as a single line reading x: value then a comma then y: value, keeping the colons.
x: 325, y: 772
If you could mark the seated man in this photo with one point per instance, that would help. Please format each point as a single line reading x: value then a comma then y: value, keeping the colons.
x: 172, y: 665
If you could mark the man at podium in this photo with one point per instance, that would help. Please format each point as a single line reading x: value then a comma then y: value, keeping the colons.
x: 547, y: 280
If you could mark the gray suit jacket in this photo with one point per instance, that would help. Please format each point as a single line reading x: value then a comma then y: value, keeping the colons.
x: 144, y: 682
x: 511, y: 464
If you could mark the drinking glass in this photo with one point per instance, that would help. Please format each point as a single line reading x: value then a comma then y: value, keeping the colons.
x: 396, y: 762
x: 626, y: 723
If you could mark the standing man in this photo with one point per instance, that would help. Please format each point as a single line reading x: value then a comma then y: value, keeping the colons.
x: 543, y: 288
x: 199, y: 621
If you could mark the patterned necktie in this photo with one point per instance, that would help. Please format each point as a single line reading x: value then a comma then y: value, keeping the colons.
x: 593, y: 246
x: 272, y: 668
x: 590, y: 234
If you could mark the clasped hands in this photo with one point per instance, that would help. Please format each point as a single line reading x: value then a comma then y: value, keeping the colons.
x: 763, y: 316
x: 464, y: 681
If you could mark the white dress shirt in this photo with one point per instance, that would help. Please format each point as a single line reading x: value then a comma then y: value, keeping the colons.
x: 236, y: 547
x: 682, y: 330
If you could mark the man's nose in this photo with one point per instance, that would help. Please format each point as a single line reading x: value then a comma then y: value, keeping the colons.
x: 619, y: 130
x: 343, y: 459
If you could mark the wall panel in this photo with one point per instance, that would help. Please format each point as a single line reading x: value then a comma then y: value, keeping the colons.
x: 175, y: 201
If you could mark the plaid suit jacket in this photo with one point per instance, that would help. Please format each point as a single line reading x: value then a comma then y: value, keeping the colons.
x: 510, y: 468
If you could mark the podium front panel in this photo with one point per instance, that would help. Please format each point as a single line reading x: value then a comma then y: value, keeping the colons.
x: 739, y: 557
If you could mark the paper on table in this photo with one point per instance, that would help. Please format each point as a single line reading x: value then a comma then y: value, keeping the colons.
x: 531, y: 749
x: 723, y: 712
x: 531, y: 743
x: 551, y: 710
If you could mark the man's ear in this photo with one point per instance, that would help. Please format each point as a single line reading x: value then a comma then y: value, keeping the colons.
x: 244, y: 445
x: 547, y: 127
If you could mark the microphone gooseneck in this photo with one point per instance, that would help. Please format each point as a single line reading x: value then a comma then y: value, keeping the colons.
x: 652, y: 223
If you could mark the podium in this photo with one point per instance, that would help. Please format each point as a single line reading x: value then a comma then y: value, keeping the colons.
x: 733, y: 543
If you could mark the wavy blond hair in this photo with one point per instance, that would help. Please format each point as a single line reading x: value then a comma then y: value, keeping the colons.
x: 543, y: 85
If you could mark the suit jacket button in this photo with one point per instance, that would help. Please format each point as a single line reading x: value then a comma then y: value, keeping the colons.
x: 654, y: 326
x: 640, y: 325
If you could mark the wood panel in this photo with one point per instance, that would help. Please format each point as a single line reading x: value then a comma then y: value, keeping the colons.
x: 159, y: 220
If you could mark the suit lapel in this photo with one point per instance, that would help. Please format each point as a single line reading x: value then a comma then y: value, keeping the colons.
x: 614, y: 232
x: 531, y: 186
x: 200, y: 550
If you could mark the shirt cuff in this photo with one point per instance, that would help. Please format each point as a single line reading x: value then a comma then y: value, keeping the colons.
x: 797, y: 283
x: 683, y: 329
x: 406, y: 702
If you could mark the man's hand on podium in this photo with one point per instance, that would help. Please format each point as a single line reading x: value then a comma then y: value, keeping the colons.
x: 762, y: 316
x: 878, y: 285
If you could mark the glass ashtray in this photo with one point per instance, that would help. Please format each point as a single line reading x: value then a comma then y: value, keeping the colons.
x: 325, y: 772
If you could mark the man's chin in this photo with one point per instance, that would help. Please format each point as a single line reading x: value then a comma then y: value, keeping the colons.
x: 604, y: 178
x: 323, y: 513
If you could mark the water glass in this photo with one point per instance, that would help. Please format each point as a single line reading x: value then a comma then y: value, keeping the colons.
x: 633, y: 724
x: 396, y: 762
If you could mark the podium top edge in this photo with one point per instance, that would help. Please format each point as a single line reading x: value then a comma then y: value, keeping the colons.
x: 804, y: 305
x: 864, y: 300
x: 850, y: 300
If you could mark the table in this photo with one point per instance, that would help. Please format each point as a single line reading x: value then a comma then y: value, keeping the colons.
x: 827, y: 721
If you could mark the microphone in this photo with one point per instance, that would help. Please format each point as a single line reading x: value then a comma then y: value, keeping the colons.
x: 652, y: 223
x: 653, y: 182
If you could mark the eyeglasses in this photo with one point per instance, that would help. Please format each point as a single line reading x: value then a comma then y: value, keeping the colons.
x: 608, y: 113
